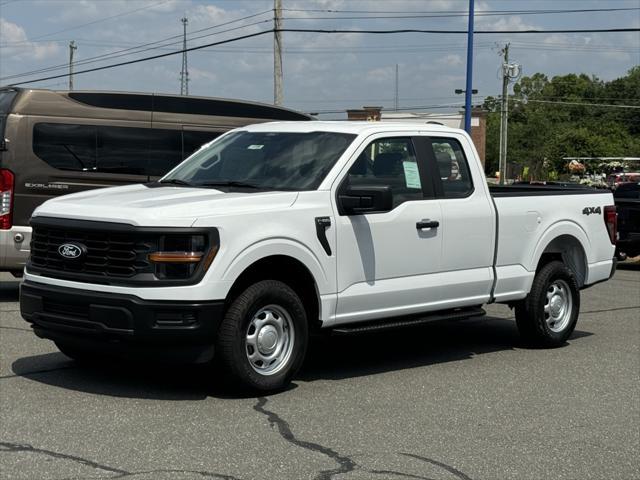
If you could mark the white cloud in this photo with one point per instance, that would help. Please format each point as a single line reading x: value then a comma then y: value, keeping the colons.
x: 15, y: 43
x: 504, y: 23
x: 84, y: 11
x: 450, y: 60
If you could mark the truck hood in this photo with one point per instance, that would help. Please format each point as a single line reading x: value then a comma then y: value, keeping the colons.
x: 160, y: 206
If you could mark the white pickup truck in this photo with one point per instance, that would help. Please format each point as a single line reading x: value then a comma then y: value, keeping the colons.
x: 274, y: 231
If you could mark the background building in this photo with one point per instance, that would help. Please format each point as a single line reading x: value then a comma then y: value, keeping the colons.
x: 454, y: 120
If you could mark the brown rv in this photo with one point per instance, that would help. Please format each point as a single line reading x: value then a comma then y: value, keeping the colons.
x: 54, y: 143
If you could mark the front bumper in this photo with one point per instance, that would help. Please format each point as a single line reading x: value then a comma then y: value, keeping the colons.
x: 119, y: 323
x: 14, y: 248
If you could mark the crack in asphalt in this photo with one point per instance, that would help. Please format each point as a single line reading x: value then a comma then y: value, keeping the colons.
x: 399, y: 474
x: 18, y: 447
x: 448, y: 468
x: 345, y: 463
x: 202, y: 473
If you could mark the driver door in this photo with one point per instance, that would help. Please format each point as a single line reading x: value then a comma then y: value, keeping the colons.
x: 387, y: 262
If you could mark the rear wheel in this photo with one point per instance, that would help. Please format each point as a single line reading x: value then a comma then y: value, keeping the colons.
x: 263, y: 337
x: 548, y: 316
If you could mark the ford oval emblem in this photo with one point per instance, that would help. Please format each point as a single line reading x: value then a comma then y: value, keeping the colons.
x: 71, y: 251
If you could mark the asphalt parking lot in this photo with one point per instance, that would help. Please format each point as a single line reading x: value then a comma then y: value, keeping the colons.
x: 463, y: 400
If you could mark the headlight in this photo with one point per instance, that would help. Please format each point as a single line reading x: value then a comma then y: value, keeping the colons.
x: 179, y: 256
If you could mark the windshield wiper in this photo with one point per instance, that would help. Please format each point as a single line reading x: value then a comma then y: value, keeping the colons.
x: 176, y: 181
x: 230, y: 183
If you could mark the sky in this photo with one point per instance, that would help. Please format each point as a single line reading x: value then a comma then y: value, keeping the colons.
x: 322, y: 72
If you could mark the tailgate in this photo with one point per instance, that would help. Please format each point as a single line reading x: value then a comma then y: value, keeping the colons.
x: 628, y: 217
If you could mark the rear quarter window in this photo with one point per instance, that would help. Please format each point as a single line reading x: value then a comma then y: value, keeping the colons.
x: 452, y: 167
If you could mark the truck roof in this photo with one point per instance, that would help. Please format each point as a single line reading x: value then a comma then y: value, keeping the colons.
x: 356, y: 128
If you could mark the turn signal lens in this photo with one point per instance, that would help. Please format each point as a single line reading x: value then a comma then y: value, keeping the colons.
x: 176, y: 257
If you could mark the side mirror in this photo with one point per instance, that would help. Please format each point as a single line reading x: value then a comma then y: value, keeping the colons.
x: 360, y: 199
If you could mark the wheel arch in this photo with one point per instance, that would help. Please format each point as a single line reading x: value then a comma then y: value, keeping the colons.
x: 570, y: 250
x: 286, y: 268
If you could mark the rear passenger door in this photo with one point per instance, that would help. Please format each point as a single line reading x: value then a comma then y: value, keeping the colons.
x: 387, y: 263
x: 468, y: 220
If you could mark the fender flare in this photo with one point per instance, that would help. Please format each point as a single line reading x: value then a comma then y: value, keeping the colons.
x: 277, y: 247
x: 559, y: 229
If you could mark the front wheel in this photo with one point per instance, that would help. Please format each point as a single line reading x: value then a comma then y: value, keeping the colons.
x: 263, y: 337
x: 548, y: 316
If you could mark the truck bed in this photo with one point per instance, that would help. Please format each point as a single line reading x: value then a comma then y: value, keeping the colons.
x: 541, y: 190
x: 525, y: 227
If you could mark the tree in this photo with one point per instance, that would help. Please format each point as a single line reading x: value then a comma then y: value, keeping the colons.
x: 547, y: 122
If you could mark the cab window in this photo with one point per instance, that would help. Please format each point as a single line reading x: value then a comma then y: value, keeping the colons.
x: 453, y: 167
x: 389, y: 162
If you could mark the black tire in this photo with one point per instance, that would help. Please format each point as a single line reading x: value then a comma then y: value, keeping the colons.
x: 233, y: 348
x: 530, y: 312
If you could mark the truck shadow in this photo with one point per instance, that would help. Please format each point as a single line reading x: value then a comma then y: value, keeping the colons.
x: 329, y: 357
x: 348, y: 356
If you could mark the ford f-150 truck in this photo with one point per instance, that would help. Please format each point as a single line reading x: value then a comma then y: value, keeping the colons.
x: 275, y: 231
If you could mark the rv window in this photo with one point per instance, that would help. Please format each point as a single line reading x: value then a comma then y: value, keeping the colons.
x: 123, y: 150
x: 66, y: 147
x: 193, y: 140
x: 165, y: 150
x: 110, y: 149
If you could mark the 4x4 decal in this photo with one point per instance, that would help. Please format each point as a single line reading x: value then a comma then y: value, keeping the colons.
x: 590, y: 210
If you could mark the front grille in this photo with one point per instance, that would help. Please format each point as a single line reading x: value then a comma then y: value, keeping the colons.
x: 108, y: 254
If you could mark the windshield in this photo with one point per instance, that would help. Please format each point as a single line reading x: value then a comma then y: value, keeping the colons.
x: 263, y: 160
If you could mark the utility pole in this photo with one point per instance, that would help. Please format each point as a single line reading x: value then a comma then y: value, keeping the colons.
x: 277, y: 52
x: 72, y: 48
x: 469, y: 90
x: 510, y: 71
x: 504, y: 112
x: 396, y: 98
x: 184, y: 74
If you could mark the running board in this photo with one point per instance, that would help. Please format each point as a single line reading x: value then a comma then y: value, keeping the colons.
x: 401, y: 322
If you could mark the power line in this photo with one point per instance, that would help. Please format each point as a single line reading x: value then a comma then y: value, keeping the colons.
x: 112, y: 55
x: 102, y: 19
x: 154, y: 57
x: 454, y: 15
x: 10, y: 44
x: 495, y: 32
x: 464, y: 13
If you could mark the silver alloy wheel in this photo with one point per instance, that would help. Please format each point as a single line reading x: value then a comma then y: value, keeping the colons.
x: 269, y: 339
x: 558, y: 306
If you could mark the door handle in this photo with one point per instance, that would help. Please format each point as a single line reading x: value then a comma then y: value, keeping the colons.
x: 427, y: 224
